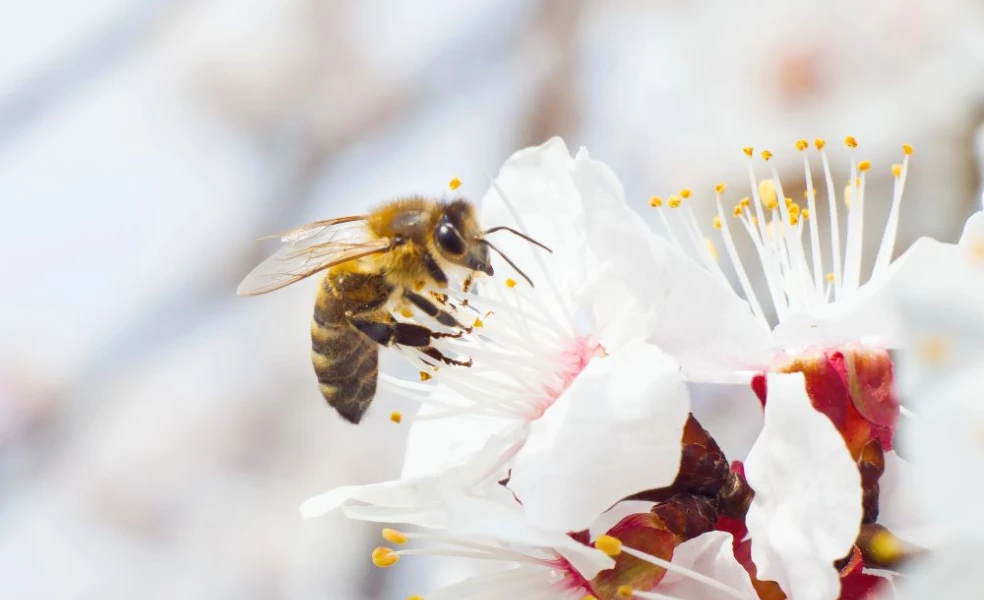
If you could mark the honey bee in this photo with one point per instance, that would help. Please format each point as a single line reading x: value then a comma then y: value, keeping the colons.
x: 378, y: 263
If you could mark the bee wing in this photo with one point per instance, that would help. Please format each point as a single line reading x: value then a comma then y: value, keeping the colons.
x: 309, y: 249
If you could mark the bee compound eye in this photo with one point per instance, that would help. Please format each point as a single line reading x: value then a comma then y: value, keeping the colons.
x: 449, y: 240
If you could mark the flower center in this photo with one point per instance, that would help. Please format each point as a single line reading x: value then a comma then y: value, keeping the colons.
x: 795, y: 278
x: 853, y: 385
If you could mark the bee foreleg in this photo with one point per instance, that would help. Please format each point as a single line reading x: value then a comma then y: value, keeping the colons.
x: 435, y: 270
x: 441, y: 316
x: 438, y: 355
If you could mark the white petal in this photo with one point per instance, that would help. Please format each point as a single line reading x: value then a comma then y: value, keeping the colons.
x: 497, y: 516
x: 538, y: 183
x: 898, y: 509
x: 944, y: 439
x: 521, y: 581
x: 709, y: 554
x: 402, y: 494
x: 806, y: 512
x: 973, y: 232
x: 620, y: 258
x: 616, y: 431
x: 436, y: 445
x: 702, y: 323
x: 951, y: 572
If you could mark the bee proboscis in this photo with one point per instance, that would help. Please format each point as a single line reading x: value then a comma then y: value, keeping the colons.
x: 375, y: 264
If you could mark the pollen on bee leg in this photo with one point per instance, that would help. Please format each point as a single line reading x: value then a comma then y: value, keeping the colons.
x: 384, y: 557
x: 612, y: 546
x: 396, y: 416
x: 394, y: 537
x: 454, y: 184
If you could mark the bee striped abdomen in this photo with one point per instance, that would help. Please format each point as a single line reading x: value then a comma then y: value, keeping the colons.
x: 345, y: 360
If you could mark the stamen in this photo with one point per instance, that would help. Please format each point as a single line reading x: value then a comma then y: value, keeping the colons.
x: 729, y: 245
x: 510, y: 282
x: 612, y: 546
x: 454, y: 184
x: 855, y: 227
x: 396, y: 416
x: 657, y: 202
x: 384, y: 557
x: 887, y: 246
x: 394, y: 537
x: 670, y: 566
x: 834, y: 221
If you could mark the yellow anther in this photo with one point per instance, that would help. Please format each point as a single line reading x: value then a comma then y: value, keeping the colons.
x: 864, y: 165
x: 455, y: 183
x: 830, y: 277
x: 897, y: 170
x: 415, y: 597
x: 396, y: 416
x: 655, y: 202
x: 794, y: 209
x: 478, y: 323
x: 748, y: 151
x: 819, y: 143
x: 746, y: 202
x: 805, y: 214
x: 907, y: 148
x: 851, y: 142
x: 719, y: 188
x: 767, y: 192
x: 394, y: 537
x: 685, y: 193
x: 766, y: 155
x: 717, y: 222
x: 789, y: 202
x: 794, y: 219
x: 510, y: 282
x: 406, y: 312
x: 802, y: 145
x: 711, y: 248
x: 739, y: 209
x: 674, y: 201
x: 933, y: 349
x: 612, y: 546
x: 384, y: 557
x: 886, y: 548
x: 625, y: 591
x: 424, y: 375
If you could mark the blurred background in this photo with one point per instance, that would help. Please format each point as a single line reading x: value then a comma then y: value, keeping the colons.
x: 157, y: 432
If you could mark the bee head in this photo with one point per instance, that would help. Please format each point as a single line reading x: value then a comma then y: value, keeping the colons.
x: 458, y: 237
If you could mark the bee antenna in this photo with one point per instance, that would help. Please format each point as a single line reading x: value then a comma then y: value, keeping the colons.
x: 517, y: 233
x: 511, y: 263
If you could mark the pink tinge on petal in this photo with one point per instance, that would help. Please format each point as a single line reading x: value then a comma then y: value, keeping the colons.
x: 574, y: 360
x: 855, y: 583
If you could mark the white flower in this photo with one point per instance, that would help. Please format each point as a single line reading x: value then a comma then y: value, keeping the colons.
x: 806, y: 512
x: 529, y: 562
x: 587, y: 412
